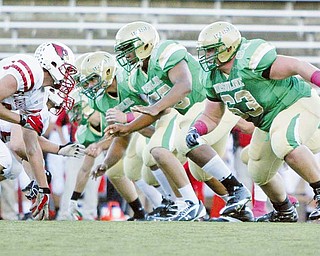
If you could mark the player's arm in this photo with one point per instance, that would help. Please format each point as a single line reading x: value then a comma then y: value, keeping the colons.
x: 95, y: 149
x: 285, y: 66
x: 206, y: 122
x: 8, y: 86
x: 68, y: 149
x: 34, y: 155
x: 245, y: 126
x: 181, y: 78
x: 148, y: 131
x: 211, y: 115
x: 115, y: 152
x: 144, y: 120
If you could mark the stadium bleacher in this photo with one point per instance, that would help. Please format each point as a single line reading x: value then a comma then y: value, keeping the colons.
x: 292, y: 26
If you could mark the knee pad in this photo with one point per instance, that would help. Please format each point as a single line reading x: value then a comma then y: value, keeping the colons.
x: 263, y: 171
x: 147, y: 158
x: 244, y: 155
x: 148, y: 177
x: 132, y: 167
x: 116, y: 171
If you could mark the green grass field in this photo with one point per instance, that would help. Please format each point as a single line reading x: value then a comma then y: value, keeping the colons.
x: 158, y: 238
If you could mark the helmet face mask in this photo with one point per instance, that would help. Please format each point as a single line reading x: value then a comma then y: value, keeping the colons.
x: 210, y: 61
x: 134, y: 43
x: 58, y: 101
x: 124, y: 49
x: 218, y: 43
x: 57, y: 59
x: 97, y: 73
x: 81, y: 109
x: 91, y: 85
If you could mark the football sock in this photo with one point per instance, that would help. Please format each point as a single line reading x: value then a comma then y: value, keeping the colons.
x: 188, y: 193
x: 162, y: 180
x: 230, y: 182
x: 283, y: 206
x: 75, y: 196
x: 137, y: 208
x: 217, y: 168
x: 150, y: 192
x: 316, y: 187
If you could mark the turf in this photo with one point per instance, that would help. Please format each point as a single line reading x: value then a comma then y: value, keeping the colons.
x: 158, y: 238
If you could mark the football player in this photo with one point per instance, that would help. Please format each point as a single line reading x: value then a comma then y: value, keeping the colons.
x: 254, y: 82
x: 100, y: 82
x: 172, y: 86
x: 22, y: 82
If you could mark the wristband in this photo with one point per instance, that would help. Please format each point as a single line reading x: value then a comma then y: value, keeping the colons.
x: 62, y: 146
x: 23, y: 120
x: 315, y: 78
x: 201, y: 127
x: 130, y: 117
x: 44, y: 190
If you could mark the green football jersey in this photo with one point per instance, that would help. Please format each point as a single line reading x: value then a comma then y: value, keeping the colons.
x: 164, y: 57
x: 103, y: 102
x: 87, y: 134
x: 128, y: 96
x: 247, y: 93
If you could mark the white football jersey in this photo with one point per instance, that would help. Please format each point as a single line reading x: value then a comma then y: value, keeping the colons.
x: 27, y: 71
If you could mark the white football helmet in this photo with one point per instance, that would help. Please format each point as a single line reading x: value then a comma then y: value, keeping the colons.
x: 58, y: 60
x: 57, y: 101
x: 221, y: 37
x: 97, y: 73
x: 138, y: 38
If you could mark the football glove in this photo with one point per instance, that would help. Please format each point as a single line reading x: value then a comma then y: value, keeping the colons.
x: 192, y: 137
x: 40, y: 207
x: 72, y: 149
x: 32, y: 122
x: 31, y: 190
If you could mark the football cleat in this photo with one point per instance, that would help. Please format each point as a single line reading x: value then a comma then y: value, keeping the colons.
x: 164, y: 212
x: 74, y: 212
x: 136, y: 219
x: 245, y: 215
x: 290, y: 215
x: 191, y: 212
x: 237, y: 200
x: 315, y: 214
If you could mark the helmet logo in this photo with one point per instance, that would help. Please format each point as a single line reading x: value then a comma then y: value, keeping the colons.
x: 139, y: 30
x: 62, y: 52
x: 222, y: 32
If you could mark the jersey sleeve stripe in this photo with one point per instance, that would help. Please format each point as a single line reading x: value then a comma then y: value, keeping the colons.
x: 258, y: 54
x: 16, y: 67
x: 30, y: 75
x: 167, y: 52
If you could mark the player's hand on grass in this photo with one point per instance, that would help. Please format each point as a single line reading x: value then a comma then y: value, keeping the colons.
x: 31, y: 190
